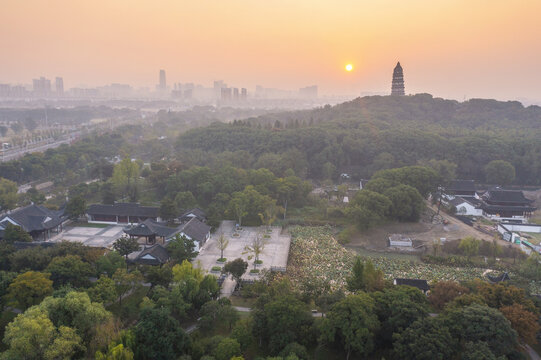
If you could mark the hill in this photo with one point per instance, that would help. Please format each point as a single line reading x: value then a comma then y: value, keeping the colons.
x: 374, y: 133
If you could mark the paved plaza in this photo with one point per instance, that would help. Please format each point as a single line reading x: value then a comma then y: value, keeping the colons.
x: 274, y: 255
x: 91, y: 236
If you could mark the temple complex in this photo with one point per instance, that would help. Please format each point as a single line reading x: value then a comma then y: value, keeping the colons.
x: 398, y: 81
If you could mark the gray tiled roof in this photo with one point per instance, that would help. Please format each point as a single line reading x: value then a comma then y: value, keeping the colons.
x: 124, y: 209
x: 150, y: 227
x: 157, y: 252
x: 36, y: 218
x: 196, y: 229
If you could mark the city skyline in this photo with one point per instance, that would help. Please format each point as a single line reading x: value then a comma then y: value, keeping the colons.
x: 475, y: 55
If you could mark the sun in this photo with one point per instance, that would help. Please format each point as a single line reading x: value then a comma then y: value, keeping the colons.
x: 349, y: 67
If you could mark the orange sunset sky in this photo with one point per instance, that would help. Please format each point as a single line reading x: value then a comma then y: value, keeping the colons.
x: 450, y: 48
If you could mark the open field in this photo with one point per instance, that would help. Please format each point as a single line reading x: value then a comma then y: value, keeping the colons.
x: 317, y: 259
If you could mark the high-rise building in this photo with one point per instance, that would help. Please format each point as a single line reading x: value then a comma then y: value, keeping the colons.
x: 59, y: 84
x: 309, y: 92
x: 163, y: 83
x: 398, y: 81
x: 243, y: 94
x: 41, y: 86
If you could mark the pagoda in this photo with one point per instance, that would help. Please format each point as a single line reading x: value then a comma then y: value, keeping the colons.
x: 398, y: 81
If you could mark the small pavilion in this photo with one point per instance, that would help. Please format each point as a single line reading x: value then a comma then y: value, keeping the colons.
x: 152, y: 231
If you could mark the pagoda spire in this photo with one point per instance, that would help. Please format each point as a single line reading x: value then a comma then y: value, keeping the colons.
x: 398, y: 81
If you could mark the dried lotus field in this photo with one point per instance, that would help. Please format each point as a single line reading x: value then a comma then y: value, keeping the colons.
x: 317, y: 258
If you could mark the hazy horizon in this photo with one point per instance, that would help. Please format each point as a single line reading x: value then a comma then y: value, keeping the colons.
x: 451, y: 49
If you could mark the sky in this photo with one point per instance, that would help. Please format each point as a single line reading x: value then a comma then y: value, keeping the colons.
x: 450, y: 48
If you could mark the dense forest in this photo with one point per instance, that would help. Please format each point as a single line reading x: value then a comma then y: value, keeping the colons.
x: 374, y: 133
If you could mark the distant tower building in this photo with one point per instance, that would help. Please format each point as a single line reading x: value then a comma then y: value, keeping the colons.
x: 59, y: 82
x: 243, y: 94
x: 42, y: 86
x: 163, y: 84
x: 398, y: 81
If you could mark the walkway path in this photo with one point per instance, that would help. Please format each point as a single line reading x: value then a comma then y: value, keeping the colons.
x: 531, y: 352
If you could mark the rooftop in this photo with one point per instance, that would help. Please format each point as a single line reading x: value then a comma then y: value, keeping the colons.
x: 35, y: 218
x: 124, y: 209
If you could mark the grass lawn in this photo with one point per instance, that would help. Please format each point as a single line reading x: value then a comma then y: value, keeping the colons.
x: 243, y: 302
x: 85, y: 224
x: 130, y: 304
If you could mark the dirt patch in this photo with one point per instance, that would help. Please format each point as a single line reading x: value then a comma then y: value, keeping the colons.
x: 425, y: 232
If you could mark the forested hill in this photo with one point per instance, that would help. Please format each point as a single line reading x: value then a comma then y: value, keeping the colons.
x: 418, y: 109
x: 373, y: 133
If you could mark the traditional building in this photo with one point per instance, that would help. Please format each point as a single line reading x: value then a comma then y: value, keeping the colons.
x: 462, y: 188
x: 195, y: 212
x: 398, y: 81
x: 41, y: 223
x: 121, y: 213
x: 152, y: 230
x: 154, y: 255
x: 506, y: 205
x: 467, y: 206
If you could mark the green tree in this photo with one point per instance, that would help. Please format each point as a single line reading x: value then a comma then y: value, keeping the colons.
x: 76, y: 207
x: 29, y: 335
x: 126, y: 282
x: 29, y: 289
x: 181, y: 248
x: 499, y: 172
x: 351, y: 325
x: 216, y: 312
x: 35, y: 196
x: 14, y: 233
x: 480, y: 323
x: 185, y: 200
x: 125, y: 246
x: 159, y: 336
x: 445, y: 169
x: 242, y: 332
x: 269, y: 215
x: 103, y: 291
x: 76, y: 311
x: 109, y: 263
x: 397, y: 308
x: 256, y: 247
x: 365, y: 276
x: 108, y: 194
x: 368, y: 208
x: 407, y: 203
x: 159, y: 275
x: 222, y: 244
x: 226, y: 349
x: 66, y: 345
x: 426, y: 339
x: 282, y: 321
x: 236, y: 269
x: 469, y: 246
x: 168, y: 209
x: 125, y: 178
x: 70, y: 269
x: 116, y: 352
x: 8, y: 194
x: 238, y: 206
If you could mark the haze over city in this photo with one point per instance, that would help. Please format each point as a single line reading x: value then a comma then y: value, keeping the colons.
x: 453, y: 49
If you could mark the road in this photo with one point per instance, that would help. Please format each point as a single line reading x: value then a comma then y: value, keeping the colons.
x: 531, y: 352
